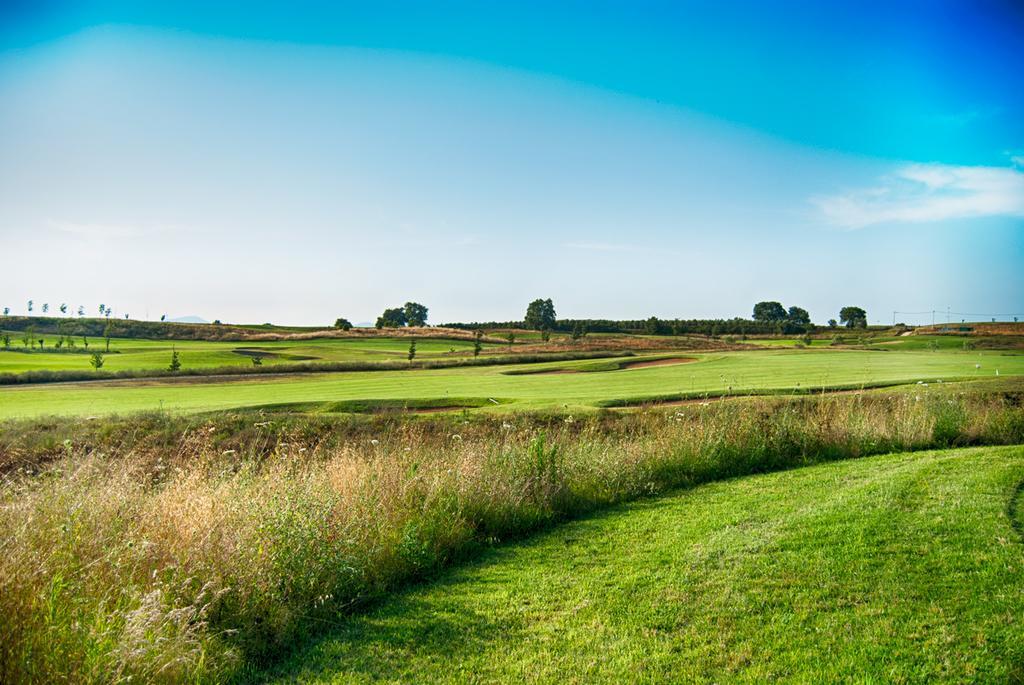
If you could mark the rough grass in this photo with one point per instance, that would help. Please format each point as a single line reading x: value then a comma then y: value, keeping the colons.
x: 195, y: 562
x: 898, y: 569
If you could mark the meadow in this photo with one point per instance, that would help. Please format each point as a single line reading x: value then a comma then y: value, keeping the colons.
x: 154, y: 552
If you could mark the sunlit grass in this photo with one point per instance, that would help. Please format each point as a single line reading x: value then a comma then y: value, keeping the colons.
x: 899, y: 568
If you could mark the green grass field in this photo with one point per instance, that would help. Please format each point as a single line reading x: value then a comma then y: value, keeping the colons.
x: 729, y: 372
x: 902, y: 568
x: 134, y: 353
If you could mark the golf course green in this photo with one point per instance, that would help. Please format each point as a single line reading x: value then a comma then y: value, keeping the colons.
x: 577, y: 385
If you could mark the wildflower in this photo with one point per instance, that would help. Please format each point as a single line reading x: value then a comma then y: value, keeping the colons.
x: 228, y: 452
x: 375, y: 442
x: 456, y: 436
x: 506, y: 426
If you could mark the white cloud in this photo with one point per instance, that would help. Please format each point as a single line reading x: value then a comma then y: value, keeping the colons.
x: 917, y: 193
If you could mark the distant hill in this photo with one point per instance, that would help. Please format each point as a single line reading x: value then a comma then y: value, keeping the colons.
x: 191, y: 318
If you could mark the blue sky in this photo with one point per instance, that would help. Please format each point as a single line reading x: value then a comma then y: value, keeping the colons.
x: 626, y: 159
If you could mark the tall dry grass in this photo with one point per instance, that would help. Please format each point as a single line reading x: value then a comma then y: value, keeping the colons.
x: 200, y: 563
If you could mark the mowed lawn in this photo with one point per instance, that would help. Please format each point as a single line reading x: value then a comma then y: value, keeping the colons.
x: 896, y: 569
x: 736, y: 372
x: 133, y: 353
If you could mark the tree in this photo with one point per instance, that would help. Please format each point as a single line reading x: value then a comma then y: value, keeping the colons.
x: 832, y: 323
x: 7, y: 341
x: 540, y: 315
x: 511, y: 337
x: 163, y: 317
x: 545, y: 334
x: 412, y: 350
x: 96, y: 359
x: 653, y: 326
x: 477, y: 343
x: 81, y: 311
x: 30, y: 306
x: 798, y: 315
x: 415, y: 314
x: 392, y: 318
x: 85, y: 340
x: 579, y: 330
x: 257, y: 360
x: 103, y: 308
x: 343, y: 324
x: 46, y: 307
x: 63, y: 308
x: 853, y: 317
x: 175, y: 362
x: 769, y: 311
x: 106, y: 334
x: 7, y: 311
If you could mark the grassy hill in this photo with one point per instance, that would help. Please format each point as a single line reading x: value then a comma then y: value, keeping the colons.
x: 901, y: 568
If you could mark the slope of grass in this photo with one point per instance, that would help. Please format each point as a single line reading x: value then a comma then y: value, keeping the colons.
x: 900, y: 568
x: 727, y: 372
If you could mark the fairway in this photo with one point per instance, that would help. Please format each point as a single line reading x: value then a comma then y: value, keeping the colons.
x: 728, y: 372
x: 142, y: 354
x: 901, y: 568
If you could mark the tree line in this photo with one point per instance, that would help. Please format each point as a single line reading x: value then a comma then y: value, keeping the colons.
x: 768, y: 318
